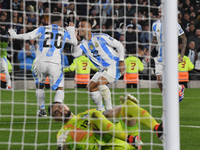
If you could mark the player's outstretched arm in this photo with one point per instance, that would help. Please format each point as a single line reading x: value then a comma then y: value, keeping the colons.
x: 27, y: 36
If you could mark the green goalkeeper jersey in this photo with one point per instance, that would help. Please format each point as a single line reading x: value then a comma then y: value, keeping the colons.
x: 80, y: 132
x: 3, y: 49
x: 82, y: 137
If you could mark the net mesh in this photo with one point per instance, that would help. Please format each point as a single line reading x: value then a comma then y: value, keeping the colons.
x: 130, y: 22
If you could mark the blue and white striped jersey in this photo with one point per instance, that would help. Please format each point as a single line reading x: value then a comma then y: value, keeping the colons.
x: 51, y: 40
x: 157, y: 32
x: 101, y: 49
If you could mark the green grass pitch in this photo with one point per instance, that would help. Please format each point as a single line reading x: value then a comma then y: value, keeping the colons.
x: 18, y: 112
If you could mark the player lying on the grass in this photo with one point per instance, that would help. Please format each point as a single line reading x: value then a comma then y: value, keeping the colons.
x: 92, y: 129
x: 51, y: 40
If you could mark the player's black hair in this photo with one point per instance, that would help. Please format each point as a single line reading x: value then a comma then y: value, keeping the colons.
x: 50, y: 107
x: 55, y: 16
x: 87, y: 20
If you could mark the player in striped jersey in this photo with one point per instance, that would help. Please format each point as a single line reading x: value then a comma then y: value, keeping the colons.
x: 157, y: 39
x: 92, y: 129
x: 107, y: 54
x: 51, y: 40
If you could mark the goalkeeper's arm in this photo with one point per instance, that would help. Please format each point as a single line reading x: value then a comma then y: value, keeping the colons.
x: 61, y: 141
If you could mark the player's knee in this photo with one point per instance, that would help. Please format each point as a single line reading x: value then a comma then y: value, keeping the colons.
x: 92, y: 87
x: 59, y: 88
x: 38, y: 86
x: 159, y: 77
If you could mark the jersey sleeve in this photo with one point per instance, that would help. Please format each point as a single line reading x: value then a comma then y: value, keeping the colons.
x: 92, y: 66
x: 31, y: 35
x: 153, y: 30
x: 115, y: 44
x: 180, y: 30
x: 72, y: 38
x: 77, y: 51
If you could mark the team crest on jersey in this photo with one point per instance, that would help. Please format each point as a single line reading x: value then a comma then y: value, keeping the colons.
x: 96, y: 44
x: 91, y: 47
x: 158, y: 30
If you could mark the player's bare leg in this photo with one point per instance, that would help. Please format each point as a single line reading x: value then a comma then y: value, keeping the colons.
x: 95, y: 95
x: 159, y: 81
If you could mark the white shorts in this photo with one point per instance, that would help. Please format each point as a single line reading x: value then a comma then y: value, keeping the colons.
x: 158, y: 67
x: 3, y: 65
x: 111, y: 73
x: 54, y: 71
x: 4, y: 69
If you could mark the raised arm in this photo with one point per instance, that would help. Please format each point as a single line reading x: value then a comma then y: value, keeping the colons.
x: 72, y: 40
x: 184, y: 43
x: 182, y: 36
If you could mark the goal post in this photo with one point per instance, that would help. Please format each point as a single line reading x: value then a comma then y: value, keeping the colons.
x: 170, y: 78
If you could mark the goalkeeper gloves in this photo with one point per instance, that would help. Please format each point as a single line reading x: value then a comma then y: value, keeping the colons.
x: 159, y: 131
x: 61, y: 141
x: 135, y: 141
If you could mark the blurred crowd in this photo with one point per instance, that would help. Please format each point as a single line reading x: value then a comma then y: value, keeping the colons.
x: 129, y: 21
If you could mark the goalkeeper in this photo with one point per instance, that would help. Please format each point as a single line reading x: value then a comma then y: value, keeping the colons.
x: 91, y: 129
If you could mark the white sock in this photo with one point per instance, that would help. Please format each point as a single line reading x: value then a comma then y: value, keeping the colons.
x: 59, y: 97
x: 179, y: 87
x: 40, y: 94
x: 97, y: 99
x: 106, y: 95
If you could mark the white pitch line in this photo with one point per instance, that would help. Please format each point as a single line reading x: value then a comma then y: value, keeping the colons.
x: 189, y: 126
x: 185, y: 126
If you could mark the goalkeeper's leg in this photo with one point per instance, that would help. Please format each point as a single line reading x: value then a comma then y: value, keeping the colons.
x: 100, y: 122
x: 131, y: 110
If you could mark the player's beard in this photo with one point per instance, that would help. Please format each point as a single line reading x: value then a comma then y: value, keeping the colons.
x: 67, y: 115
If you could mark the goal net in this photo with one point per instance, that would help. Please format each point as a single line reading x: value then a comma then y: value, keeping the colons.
x: 129, y: 22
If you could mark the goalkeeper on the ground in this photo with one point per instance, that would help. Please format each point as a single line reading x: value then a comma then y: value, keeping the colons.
x: 92, y: 129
